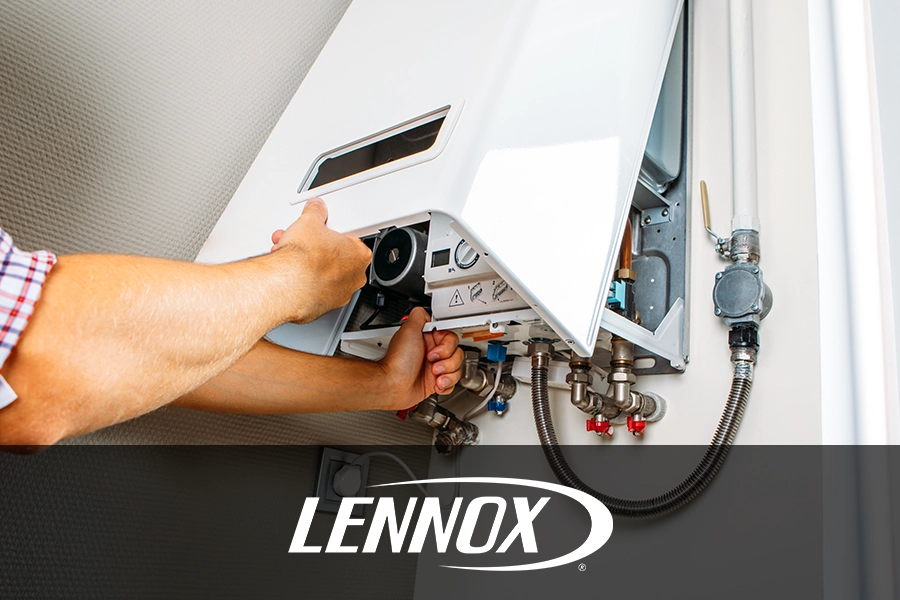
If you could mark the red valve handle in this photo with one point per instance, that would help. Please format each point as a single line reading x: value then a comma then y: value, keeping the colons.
x: 600, y: 427
x: 636, y: 426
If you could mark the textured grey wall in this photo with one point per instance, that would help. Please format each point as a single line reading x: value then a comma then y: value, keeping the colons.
x: 127, y: 126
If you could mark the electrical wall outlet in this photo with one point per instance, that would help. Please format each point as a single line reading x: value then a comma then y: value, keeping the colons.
x: 332, y: 461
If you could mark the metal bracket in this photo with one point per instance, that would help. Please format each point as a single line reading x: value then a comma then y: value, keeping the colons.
x: 667, y: 341
x: 655, y: 216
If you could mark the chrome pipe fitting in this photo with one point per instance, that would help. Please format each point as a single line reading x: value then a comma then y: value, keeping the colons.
x: 744, y: 246
x: 541, y: 352
x: 621, y: 376
x: 580, y: 380
x: 473, y: 377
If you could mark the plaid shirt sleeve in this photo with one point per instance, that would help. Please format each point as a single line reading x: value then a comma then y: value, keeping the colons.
x: 21, y: 276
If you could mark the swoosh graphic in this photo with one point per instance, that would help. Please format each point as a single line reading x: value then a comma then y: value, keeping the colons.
x: 601, y: 519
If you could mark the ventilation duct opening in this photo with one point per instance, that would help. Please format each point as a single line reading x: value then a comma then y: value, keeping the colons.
x: 396, y: 143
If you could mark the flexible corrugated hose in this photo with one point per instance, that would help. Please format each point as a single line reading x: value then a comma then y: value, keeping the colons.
x: 678, y: 496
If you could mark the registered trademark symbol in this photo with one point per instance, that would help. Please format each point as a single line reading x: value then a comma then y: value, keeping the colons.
x: 582, y: 567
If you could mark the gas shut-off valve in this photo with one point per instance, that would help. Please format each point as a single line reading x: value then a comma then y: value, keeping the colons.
x: 740, y: 296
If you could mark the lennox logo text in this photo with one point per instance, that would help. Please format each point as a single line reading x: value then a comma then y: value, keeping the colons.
x: 431, y: 518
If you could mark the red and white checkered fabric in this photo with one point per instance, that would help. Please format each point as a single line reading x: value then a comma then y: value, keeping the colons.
x: 22, y: 275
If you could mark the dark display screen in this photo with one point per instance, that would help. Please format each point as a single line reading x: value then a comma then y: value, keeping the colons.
x: 441, y: 258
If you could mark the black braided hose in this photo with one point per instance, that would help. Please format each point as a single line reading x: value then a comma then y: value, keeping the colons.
x: 678, y: 496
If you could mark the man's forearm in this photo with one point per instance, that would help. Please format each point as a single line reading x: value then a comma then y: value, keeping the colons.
x: 271, y: 379
x: 116, y: 336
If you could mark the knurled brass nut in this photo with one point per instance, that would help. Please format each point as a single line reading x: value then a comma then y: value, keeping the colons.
x: 619, y: 377
x: 629, y: 274
x: 579, y: 377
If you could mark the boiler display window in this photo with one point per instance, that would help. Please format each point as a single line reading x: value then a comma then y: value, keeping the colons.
x: 441, y: 258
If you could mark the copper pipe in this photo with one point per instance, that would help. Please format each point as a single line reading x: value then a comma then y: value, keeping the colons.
x: 625, y: 252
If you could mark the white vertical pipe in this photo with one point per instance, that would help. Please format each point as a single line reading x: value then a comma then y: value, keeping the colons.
x: 743, y: 117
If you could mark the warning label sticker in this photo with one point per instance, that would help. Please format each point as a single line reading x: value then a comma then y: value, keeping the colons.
x: 500, y: 292
x: 474, y: 297
x: 475, y: 292
x: 456, y: 300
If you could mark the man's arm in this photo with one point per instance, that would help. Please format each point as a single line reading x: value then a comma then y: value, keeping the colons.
x: 113, y: 337
x: 272, y: 379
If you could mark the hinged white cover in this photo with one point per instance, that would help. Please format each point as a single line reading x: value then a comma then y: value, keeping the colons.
x: 550, y: 107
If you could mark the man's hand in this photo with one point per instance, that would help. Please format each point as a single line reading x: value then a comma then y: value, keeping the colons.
x: 271, y: 379
x: 421, y: 364
x: 330, y: 266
